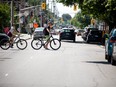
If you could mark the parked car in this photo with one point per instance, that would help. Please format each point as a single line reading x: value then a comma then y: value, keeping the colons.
x: 110, y: 47
x: 94, y: 36
x: 38, y: 33
x: 80, y: 32
x: 87, y: 30
x: 3, y: 36
x: 67, y: 34
x: 113, y: 58
x: 113, y: 40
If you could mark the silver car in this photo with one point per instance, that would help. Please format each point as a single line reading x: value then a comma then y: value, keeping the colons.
x: 38, y: 33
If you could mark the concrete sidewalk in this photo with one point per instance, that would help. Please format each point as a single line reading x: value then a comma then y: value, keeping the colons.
x: 25, y: 36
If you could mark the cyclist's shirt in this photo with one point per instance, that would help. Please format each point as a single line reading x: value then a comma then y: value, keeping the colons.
x: 45, y: 30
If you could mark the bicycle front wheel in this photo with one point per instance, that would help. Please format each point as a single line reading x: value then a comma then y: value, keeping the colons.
x: 55, y: 44
x: 21, y: 44
x: 36, y: 44
x: 5, y: 44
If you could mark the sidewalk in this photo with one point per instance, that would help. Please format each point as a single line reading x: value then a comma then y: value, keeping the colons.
x: 25, y: 36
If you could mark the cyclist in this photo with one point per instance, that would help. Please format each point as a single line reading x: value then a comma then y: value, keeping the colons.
x: 12, y: 34
x: 47, y: 31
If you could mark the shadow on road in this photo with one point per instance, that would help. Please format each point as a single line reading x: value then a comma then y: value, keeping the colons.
x: 68, y: 41
x: 3, y: 59
x: 97, y: 62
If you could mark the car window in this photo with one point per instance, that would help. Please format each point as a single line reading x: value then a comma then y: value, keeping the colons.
x: 95, y: 32
x: 114, y: 33
x: 66, y: 30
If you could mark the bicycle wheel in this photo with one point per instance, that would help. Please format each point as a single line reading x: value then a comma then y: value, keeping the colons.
x: 5, y: 44
x: 55, y: 44
x: 36, y: 44
x: 21, y: 44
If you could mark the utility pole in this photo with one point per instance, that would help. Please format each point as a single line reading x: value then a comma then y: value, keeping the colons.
x: 12, y: 13
x: 54, y: 8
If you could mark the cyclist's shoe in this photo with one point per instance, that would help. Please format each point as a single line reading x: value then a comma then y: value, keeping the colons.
x: 11, y: 45
x: 47, y: 48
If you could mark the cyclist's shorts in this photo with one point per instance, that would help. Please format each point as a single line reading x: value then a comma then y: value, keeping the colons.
x: 46, y: 37
x: 9, y: 34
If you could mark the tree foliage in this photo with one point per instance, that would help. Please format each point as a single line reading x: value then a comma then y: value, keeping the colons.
x: 104, y: 10
x: 33, y: 2
x: 66, y: 17
x: 4, y: 16
x: 81, y: 20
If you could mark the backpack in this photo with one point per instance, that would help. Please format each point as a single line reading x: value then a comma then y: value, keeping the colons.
x: 6, y: 30
x: 45, y: 31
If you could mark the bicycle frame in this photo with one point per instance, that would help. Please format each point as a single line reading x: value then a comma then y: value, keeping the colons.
x: 16, y: 39
x: 42, y: 39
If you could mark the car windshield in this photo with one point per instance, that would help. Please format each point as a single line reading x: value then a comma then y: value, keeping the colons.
x: 114, y: 33
x: 39, y: 29
x: 95, y: 32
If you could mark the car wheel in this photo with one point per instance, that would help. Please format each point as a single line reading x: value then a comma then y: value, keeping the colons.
x: 74, y: 40
x: 106, y: 56
x: 113, y: 62
x: 109, y: 58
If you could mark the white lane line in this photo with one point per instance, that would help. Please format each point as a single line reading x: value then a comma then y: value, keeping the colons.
x: 31, y: 57
x: 6, y: 74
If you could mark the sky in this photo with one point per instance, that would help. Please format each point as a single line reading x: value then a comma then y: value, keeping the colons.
x: 62, y: 9
x: 65, y: 10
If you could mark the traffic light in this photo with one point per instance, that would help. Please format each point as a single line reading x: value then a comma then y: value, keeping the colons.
x: 75, y: 7
x: 43, y: 6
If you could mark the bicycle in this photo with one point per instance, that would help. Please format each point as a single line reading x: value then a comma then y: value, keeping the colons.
x: 55, y: 43
x: 20, y: 43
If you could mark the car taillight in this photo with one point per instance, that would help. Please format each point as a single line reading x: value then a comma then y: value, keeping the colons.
x: 112, y: 41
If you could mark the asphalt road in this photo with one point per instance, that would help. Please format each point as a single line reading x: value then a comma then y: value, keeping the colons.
x: 73, y: 65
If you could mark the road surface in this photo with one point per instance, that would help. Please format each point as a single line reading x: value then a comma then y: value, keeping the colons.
x: 73, y: 65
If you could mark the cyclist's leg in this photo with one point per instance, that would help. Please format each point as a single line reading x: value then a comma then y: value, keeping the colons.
x: 47, y: 41
x: 11, y: 40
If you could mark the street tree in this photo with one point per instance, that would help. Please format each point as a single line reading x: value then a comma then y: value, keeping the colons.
x: 101, y: 9
x: 4, y: 16
x: 66, y: 17
x: 81, y: 20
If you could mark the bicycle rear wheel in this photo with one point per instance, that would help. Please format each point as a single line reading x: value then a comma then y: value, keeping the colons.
x: 55, y: 44
x: 5, y: 44
x: 36, y: 44
x: 21, y: 44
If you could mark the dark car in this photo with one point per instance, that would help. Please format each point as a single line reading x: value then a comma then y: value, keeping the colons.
x: 67, y: 34
x: 3, y: 36
x: 87, y: 30
x: 94, y: 36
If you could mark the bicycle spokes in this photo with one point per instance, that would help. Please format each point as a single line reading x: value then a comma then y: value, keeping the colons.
x: 21, y: 44
x: 55, y: 44
x: 36, y: 44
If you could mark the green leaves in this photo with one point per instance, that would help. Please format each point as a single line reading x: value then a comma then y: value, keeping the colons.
x: 4, y: 15
x: 104, y: 10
